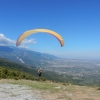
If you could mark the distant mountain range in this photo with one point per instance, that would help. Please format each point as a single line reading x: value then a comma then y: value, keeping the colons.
x: 27, y: 57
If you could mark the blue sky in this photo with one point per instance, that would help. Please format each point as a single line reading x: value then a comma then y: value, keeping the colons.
x: 77, y: 21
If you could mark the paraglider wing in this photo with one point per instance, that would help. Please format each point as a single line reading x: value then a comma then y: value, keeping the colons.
x: 27, y: 33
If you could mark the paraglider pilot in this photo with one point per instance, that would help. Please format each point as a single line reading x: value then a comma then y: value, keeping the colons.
x: 39, y: 72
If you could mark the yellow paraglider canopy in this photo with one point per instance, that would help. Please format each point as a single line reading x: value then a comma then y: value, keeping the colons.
x: 27, y: 33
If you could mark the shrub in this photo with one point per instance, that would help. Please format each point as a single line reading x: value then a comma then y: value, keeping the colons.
x: 98, y: 88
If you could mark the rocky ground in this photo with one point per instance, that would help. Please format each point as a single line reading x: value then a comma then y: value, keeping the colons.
x: 17, y: 92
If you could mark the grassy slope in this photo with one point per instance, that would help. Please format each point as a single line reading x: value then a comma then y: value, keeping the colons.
x: 59, y: 91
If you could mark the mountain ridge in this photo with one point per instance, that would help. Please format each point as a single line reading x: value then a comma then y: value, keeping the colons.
x: 25, y: 56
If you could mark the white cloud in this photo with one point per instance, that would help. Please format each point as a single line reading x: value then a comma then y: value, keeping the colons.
x: 8, y: 42
x: 26, y: 41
